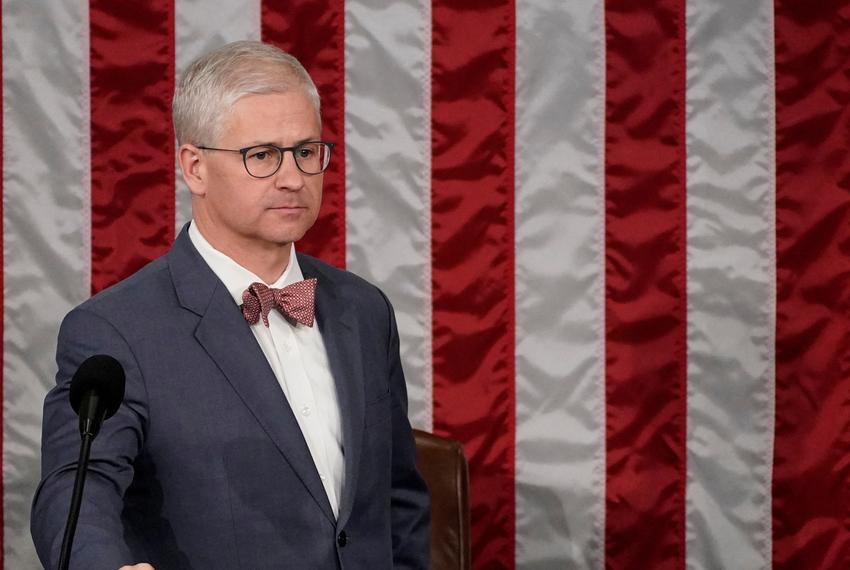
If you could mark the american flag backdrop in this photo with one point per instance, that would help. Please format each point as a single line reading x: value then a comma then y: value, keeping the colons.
x: 616, y: 235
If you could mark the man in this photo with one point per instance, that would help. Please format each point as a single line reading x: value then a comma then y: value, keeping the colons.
x: 252, y: 434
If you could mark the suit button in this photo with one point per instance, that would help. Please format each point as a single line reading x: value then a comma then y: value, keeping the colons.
x: 342, y: 539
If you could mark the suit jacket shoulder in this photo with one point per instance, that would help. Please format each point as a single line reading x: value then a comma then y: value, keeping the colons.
x: 338, y: 278
x: 342, y: 288
x: 151, y: 284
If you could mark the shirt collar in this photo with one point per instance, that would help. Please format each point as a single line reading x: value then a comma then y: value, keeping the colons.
x: 235, y: 277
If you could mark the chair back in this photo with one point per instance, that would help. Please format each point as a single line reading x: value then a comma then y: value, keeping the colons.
x: 443, y: 466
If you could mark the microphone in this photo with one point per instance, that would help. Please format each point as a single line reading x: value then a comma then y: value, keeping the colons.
x: 97, y: 390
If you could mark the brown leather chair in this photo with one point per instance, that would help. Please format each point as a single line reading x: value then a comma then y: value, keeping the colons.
x: 443, y: 466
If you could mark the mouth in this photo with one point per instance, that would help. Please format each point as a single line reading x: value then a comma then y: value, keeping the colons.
x: 288, y: 208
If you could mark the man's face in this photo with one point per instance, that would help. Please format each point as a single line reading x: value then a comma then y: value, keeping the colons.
x: 251, y: 214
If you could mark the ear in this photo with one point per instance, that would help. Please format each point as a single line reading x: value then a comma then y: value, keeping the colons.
x: 193, y: 167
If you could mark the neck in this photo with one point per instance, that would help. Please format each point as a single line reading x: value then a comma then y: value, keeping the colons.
x: 266, y: 261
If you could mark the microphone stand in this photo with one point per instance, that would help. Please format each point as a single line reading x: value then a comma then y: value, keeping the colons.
x: 76, y: 500
x: 88, y: 431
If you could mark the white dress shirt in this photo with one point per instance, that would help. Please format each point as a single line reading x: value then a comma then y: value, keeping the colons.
x: 297, y: 357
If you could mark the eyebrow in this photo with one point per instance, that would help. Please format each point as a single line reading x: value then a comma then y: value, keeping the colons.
x: 269, y: 143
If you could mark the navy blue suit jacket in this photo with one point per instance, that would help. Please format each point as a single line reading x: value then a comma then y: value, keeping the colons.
x: 204, y: 465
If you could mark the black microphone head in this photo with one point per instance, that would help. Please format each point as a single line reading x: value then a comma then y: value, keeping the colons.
x: 103, y: 374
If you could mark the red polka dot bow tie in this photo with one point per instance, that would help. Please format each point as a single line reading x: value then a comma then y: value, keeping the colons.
x: 296, y: 302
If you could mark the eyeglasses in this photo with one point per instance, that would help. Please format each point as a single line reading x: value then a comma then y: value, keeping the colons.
x: 263, y: 160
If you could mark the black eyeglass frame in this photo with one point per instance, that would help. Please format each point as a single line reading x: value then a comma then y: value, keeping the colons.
x: 282, y: 149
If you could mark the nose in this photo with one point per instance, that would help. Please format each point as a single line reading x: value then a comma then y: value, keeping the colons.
x: 288, y: 176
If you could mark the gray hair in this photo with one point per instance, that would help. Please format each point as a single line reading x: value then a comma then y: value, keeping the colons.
x: 214, y: 82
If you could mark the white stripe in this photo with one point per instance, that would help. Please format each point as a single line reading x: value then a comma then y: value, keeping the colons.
x: 560, y: 411
x: 201, y: 26
x: 731, y: 276
x: 46, y: 229
x: 388, y: 168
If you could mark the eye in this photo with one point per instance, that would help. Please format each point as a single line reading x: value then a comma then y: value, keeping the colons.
x: 306, y: 151
x: 260, y: 154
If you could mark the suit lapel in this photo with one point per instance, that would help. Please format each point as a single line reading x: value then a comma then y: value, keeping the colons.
x: 340, y: 334
x: 228, y: 340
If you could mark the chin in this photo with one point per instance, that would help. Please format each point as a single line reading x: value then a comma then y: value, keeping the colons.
x: 284, y: 238
x: 280, y: 232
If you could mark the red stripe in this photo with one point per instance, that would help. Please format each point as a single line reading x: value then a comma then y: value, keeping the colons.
x: 645, y: 284
x: 132, y: 141
x: 811, y: 475
x: 320, y: 47
x: 473, y: 257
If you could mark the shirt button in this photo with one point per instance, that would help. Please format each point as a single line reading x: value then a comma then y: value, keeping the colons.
x: 342, y: 539
x: 305, y: 411
x: 322, y: 477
